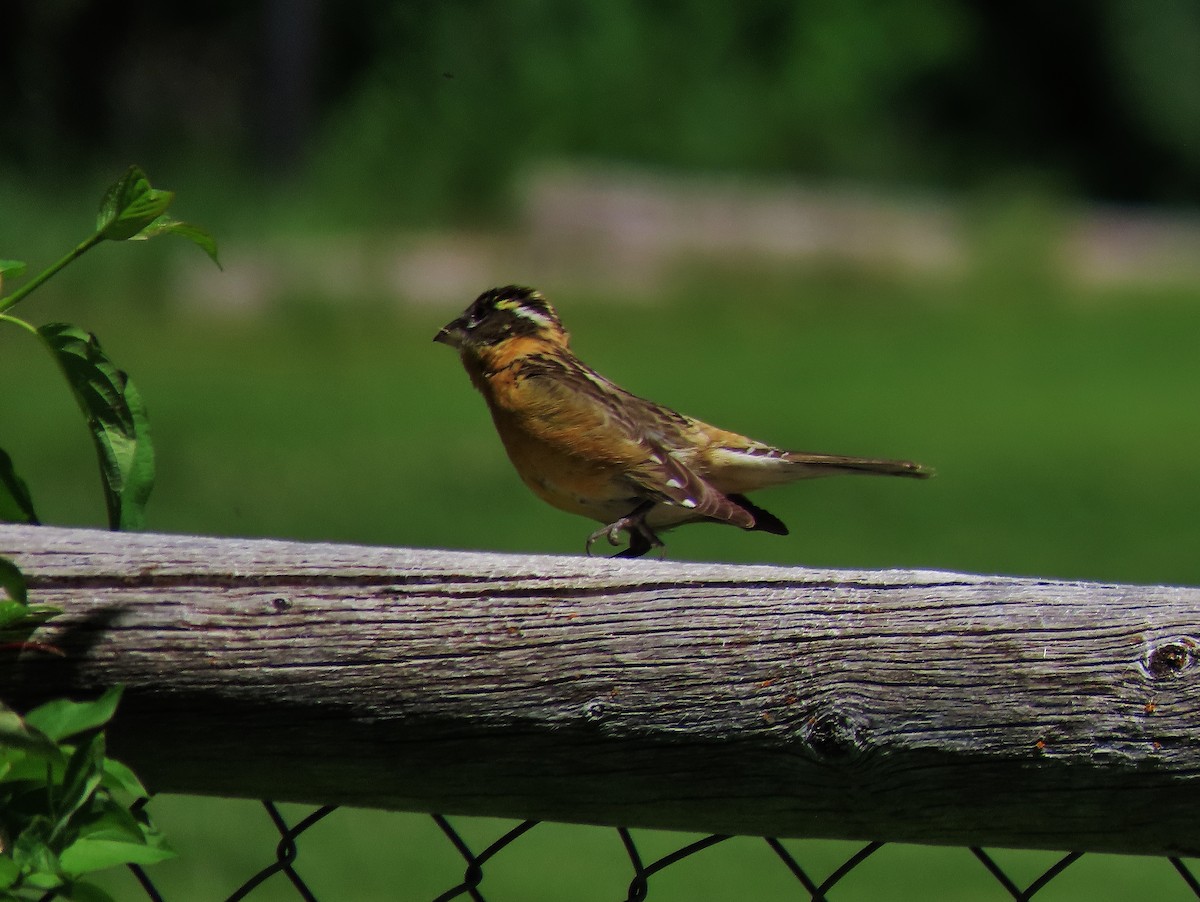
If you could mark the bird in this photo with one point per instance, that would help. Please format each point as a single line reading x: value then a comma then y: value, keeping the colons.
x: 587, y: 446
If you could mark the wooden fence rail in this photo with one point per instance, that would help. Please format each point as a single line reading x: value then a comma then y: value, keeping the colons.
x: 896, y: 705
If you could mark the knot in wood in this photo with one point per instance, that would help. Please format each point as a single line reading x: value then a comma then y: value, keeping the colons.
x: 594, y: 710
x: 1170, y: 658
x: 834, y: 736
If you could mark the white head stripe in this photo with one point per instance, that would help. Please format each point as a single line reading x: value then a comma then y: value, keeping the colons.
x: 539, y: 318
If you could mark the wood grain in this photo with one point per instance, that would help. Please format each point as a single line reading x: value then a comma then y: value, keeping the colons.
x: 897, y: 705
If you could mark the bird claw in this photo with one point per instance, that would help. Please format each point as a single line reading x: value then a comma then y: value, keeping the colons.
x: 612, y: 532
x: 641, y: 537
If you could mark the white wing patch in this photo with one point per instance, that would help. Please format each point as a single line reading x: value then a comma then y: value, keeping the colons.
x: 747, y: 469
x: 762, y: 456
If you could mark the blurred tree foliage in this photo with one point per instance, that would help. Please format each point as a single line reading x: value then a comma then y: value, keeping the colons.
x: 421, y: 109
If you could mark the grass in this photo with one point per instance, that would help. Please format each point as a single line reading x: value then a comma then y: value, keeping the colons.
x: 1063, y: 436
x: 1063, y: 425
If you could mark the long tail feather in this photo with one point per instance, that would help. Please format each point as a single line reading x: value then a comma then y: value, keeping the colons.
x: 841, y: 463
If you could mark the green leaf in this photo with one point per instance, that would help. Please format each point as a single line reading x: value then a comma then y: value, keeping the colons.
x: 119, y: 778
x: 139, y: 480
x: 9, y: 872
x: 11, y: 724
x: 16, y: 738
x: 17, y: 620
x: 165, y: 225
x: 115, y: 837
x: 32, y: 853
x: 116, y: 418
x: 86, y: 854
x: 80, y: 782
x: 129, y: 205
x: 11, y: 613
x: 85, y: 892
x: 11, y: 269
x: 61, y: 718
x: 16, y: 505
x: 33, y: 767
x: 12, y: 581
x: 115, y: 822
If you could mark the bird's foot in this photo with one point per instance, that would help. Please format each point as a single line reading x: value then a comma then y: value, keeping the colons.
x: 641, y: 536
x: 612, y: 532
x: 640, y: 542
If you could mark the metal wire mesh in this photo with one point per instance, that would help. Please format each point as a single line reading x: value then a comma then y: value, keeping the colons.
x: 471, y: 884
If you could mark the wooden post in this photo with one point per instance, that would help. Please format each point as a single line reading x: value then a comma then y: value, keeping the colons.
x: 898, y: 705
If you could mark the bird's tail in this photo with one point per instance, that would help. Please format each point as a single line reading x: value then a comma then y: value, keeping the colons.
x: 832, y: 464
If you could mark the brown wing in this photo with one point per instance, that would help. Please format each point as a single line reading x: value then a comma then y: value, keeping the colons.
x: 585, y: 414
x: 666, y: 479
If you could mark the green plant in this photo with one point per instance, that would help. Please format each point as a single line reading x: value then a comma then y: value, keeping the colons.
x: 60, y: 814
x: 116, y: 418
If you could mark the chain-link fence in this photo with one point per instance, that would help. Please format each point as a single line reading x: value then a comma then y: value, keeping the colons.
x: 992, y: 877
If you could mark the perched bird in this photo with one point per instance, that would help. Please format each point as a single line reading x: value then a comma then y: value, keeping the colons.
x: 587, y: 446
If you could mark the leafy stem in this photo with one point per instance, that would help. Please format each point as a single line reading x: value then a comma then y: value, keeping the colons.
x: 17, y: 321
x: 26, y: 289
x: 131, y: 209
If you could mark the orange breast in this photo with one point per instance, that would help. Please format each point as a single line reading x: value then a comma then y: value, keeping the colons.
x: 565, y: 479
x: 562, y: 448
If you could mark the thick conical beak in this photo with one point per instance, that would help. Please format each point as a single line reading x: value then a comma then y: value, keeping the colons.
x: 452, y: 334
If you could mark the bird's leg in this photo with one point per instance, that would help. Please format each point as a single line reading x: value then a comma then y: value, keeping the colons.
x: 641, y: 536
x: 641, y: 540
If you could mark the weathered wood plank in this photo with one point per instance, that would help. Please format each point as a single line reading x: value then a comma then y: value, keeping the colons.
x: 897, y: 705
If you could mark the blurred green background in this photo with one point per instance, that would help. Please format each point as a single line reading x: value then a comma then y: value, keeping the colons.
x: 959, y: 232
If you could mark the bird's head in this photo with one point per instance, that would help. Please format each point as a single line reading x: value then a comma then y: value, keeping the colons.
x: 501, y: 314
